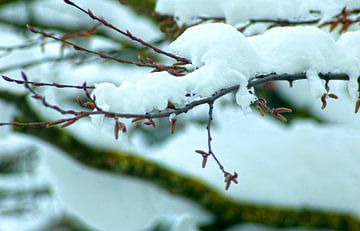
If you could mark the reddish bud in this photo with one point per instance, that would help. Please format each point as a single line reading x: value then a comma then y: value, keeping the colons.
x: 261, y: 111
x: 281, y: 117
x: 201, y: 152
x: 116, y: 129
x: 123, y: 127
x: 204, y: 161
x: 229, y: 178
x: 90, y: 105
x: 205, y: 156
x: 152, y: 122
x: 90, y: 13
x: 357, y: 106
x: 262, y: 101
x: 6, y: 78
x: 282, y: 110
x: 104, y: 56
x: 79, y: 101
x: 332, y: 95
x: 36, y: 97
x: 172, y: 126
x: 77, y: 48
x: 323, y: 100
x: 170, y: 105
x: 23, y: 75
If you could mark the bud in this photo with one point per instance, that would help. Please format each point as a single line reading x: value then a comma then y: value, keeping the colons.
x: 323, y: 100
x: 172, y: 126
x: 357, y: 106
x: 332, y: 95
x: 116, y: 129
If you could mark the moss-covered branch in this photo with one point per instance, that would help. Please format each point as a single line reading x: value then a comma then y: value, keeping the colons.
x: 227, y: 212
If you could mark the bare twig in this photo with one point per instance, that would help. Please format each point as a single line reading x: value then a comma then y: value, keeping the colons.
x: 228, y: 177
x: 128, y: 34
x: 39, y: 84
x: 79, y: 48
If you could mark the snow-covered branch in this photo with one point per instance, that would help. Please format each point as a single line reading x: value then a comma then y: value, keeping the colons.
x: 211, y: 60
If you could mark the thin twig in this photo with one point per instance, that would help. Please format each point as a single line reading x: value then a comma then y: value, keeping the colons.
x: 101, y: 55
x: 40, y: 84
x: 208, y: 127
x: 128, y: 34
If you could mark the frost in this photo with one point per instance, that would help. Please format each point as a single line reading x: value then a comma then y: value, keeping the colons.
x: 224, y: 57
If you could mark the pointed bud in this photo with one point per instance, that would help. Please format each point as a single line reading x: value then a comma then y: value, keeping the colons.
x: 323, y: 100
x: 173, y: 126
x: 116, y: 129
x: 357, y: 106
x: 6, y: 78
x: 204, y: 161
x: 281, y: 117
x: 201, y: 152
x: 332, y: 95
x: 282, y: 110
x: 79, y: 101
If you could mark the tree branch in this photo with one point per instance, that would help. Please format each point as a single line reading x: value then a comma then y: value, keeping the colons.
x: 227, y: 212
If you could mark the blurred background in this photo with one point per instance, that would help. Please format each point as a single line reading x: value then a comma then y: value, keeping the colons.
x: 300, y: 175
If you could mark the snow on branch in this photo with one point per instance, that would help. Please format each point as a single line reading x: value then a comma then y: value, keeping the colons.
x: 211, y: 60
x: 237, y: 12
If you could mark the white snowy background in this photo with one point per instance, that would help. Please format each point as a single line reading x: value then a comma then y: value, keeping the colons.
x: 305, y: 164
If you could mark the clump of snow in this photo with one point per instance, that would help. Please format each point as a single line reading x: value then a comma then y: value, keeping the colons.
x: 208, y: 43
x: 350, y: 42
x: 295, y: 49
x: 223, y: 57
x: 300, y: 49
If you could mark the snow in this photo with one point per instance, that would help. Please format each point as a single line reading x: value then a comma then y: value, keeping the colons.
x: 307, y: 165
x: 223, y: 57
x: 301, y: 165
x: 126, y: 203
x: 297, y: 167
x: 299, y: 49
x: 238, y: 11
x: 350, y: 42
x: 8, y: 111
